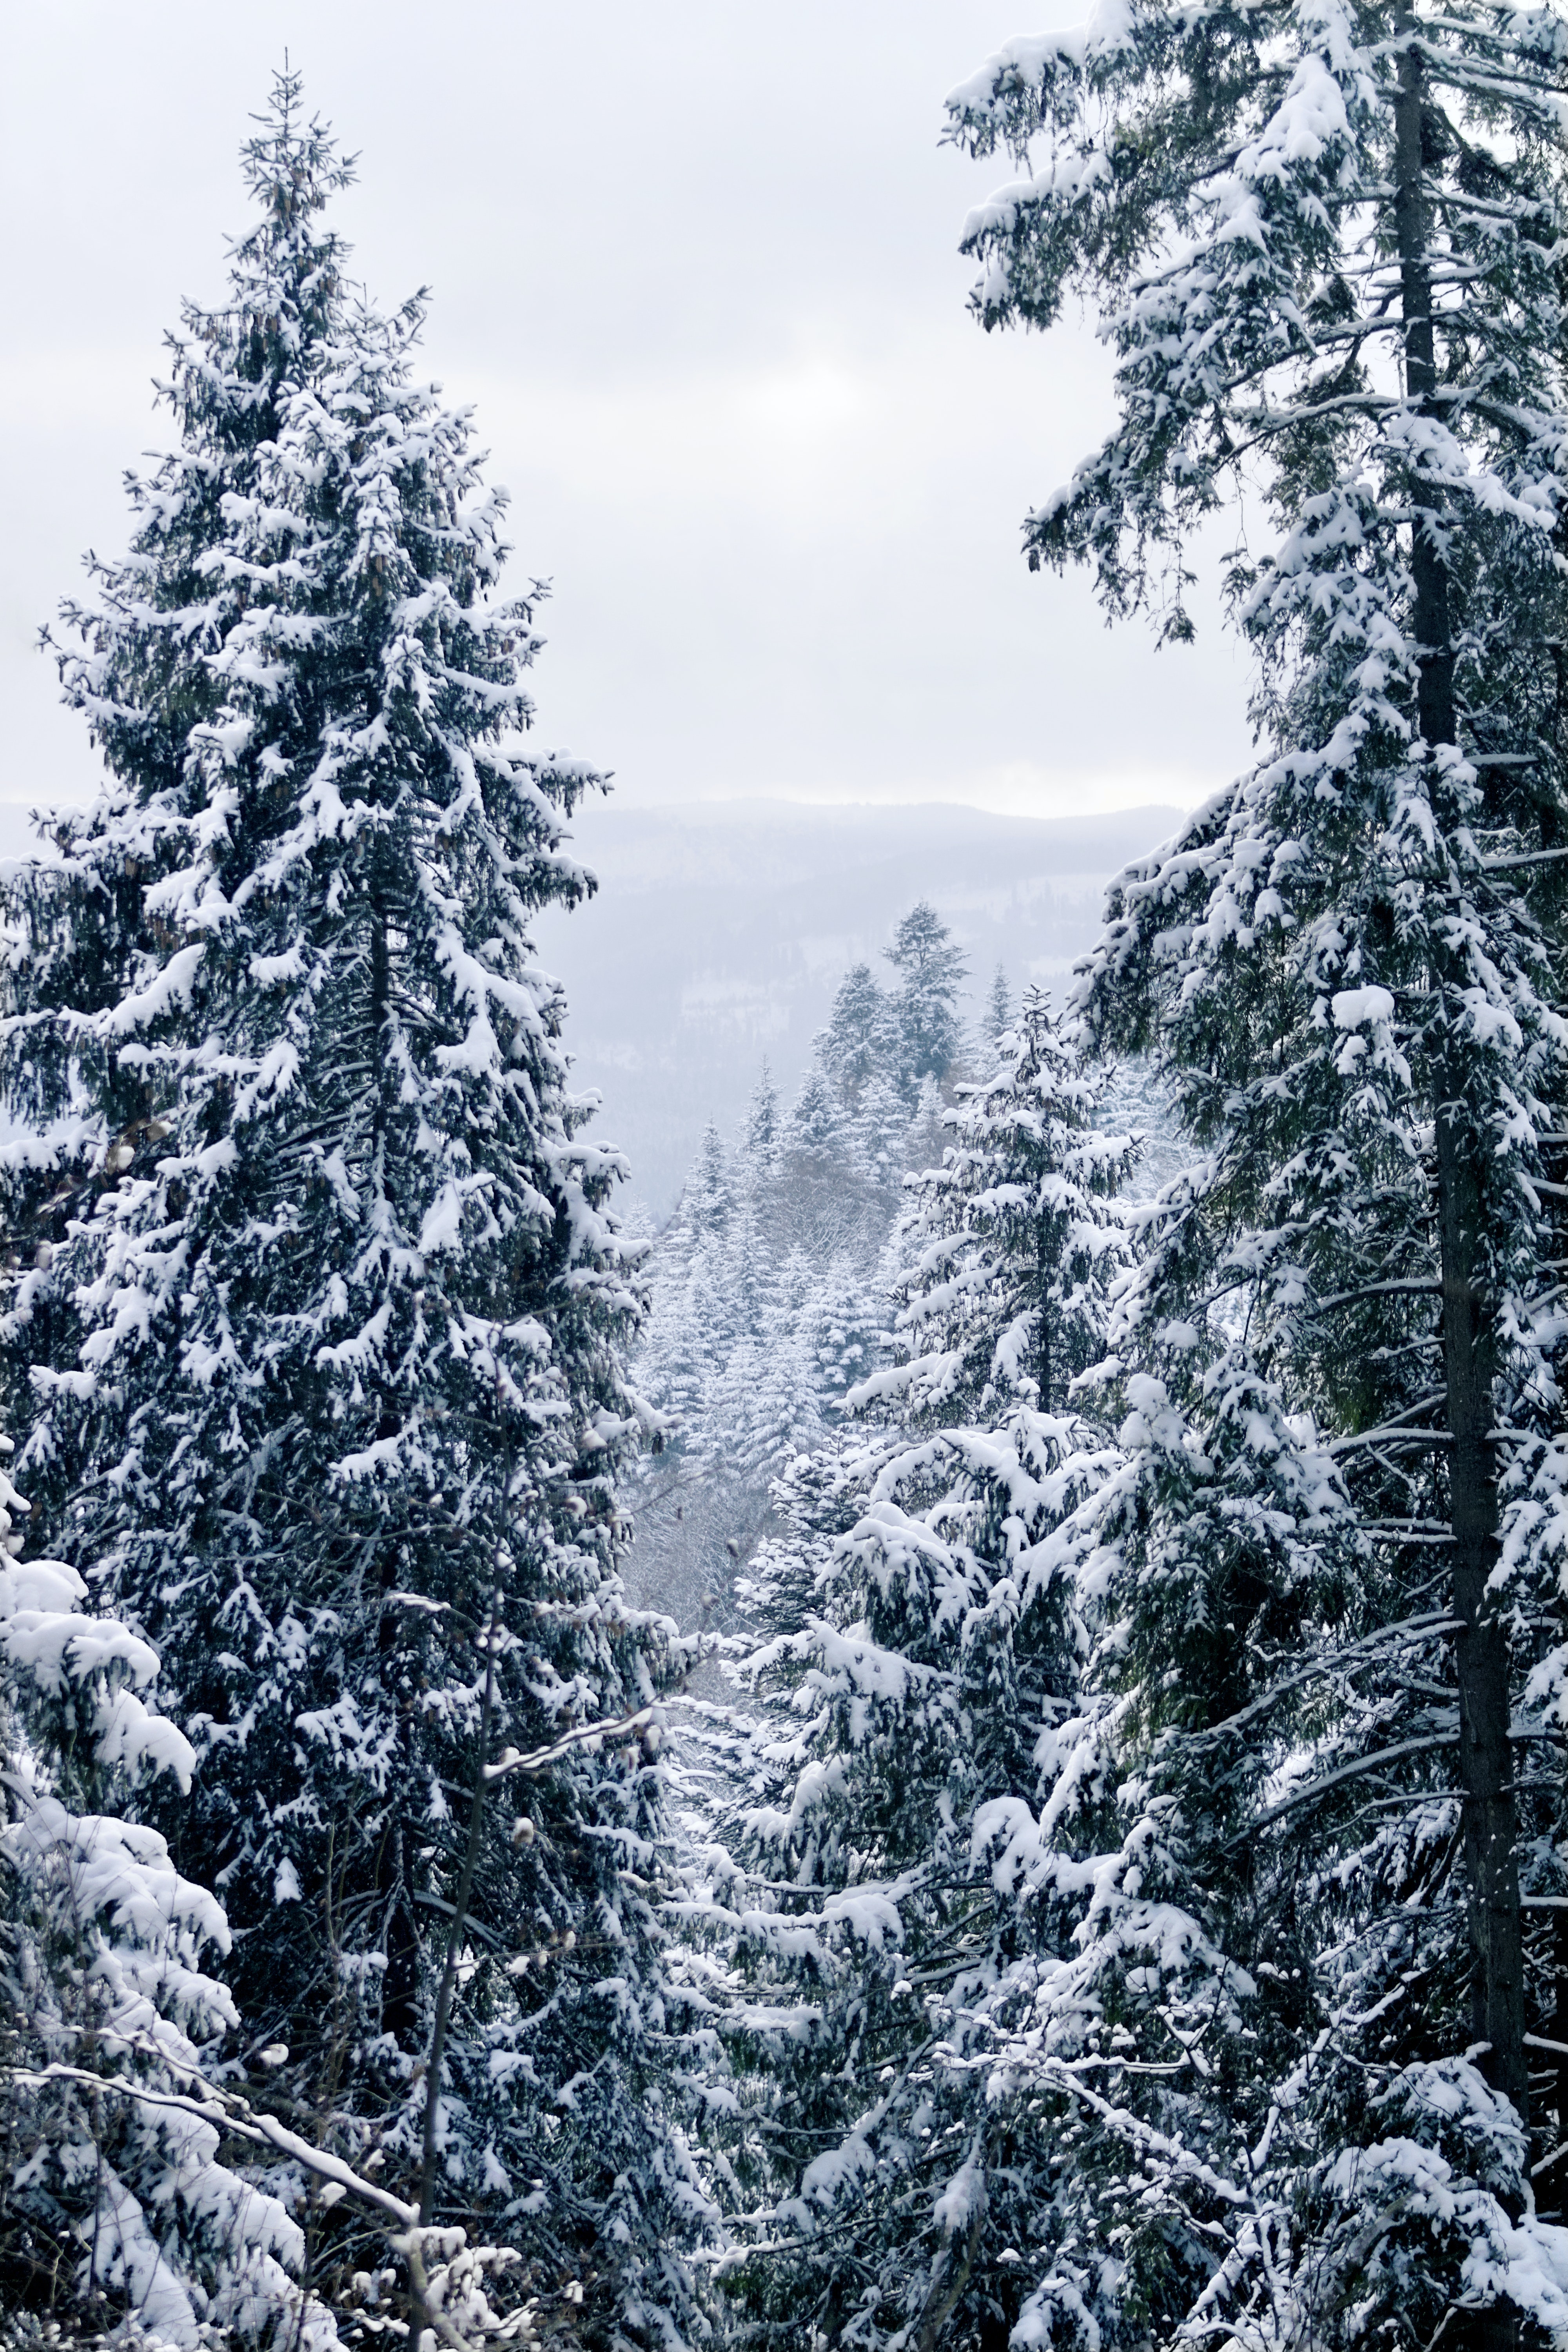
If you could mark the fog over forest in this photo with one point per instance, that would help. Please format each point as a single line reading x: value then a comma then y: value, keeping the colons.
x: 721, y: 930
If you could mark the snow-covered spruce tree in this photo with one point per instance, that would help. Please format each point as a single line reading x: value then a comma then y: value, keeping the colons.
x: 860, y: 1037
x: 931, y: 1639
x: 923, y: 1018
x: 760, y: 1134
x: 998, y: 1007
x: 1167, y: 2064
x: 323, y: 1382
x: 693, y: 1329
x: 815, y: 1126
x: 1010, y: 1242
x: 1323, y: 243
x: 876, y: 1140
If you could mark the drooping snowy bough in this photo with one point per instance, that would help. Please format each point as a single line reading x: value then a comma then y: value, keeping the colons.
x: 114, y: 2199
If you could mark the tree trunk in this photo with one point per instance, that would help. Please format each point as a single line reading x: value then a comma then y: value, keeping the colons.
x: 1482, y: 1657
x: 951, y: 2272
x: 1550, y: 2194
x: 1481, y: 1647
x: 400, y: 1941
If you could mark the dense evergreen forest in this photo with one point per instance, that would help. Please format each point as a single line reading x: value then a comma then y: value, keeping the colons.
x: 963, y: 1747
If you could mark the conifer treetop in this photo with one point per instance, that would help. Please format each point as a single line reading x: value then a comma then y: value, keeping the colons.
x: 310, y: 693
x: 1219, y: 182
x: 1013, y: 1247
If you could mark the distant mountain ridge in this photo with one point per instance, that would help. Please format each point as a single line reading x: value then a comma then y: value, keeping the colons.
x: 722, y: 929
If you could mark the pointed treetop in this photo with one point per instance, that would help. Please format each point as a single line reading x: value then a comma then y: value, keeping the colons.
x: 286, y: 270
x: 762, y: 1118
x: 856, y: 1040
x: 923, y: 953
x: 930, y: 967
x: 998, y: 1006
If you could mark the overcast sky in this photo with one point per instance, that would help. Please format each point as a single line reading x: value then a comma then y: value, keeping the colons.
x: 696, y: 264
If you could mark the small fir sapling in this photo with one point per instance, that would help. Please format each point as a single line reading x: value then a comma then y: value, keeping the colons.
x: 998, y: 1008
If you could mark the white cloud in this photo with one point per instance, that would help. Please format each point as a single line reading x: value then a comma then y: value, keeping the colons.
x: 696, y: 268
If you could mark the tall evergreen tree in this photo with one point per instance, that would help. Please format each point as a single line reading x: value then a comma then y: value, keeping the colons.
x: 709, y: 1201
x: 322, y: 1356
x: 1010, y: 1246
x: 814, y: 1127
x: 927, y: 1598
x: 761, y: 1137
x: 1323, y: 243
x: 693, y: 1329
x: 880, y: 1134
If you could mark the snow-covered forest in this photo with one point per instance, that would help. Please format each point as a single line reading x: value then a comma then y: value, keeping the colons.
x: 959, y: 1745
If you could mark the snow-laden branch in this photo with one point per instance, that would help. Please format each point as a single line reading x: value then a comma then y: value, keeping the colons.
x: 511, y: 1760
x: 227, y: 2111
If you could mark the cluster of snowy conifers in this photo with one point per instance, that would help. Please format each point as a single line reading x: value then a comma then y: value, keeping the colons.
x: 1129, y: 1914
x: 771, y: 1285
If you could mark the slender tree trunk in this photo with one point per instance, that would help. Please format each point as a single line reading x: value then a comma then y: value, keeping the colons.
x: 1553, y: 2201
x: 1411, y: 221
x: 472, y: 1843
x: 1482, y: 1657
x: 951, y: 2272
x: 475, y: 1839
x: 1481, y: 1647
x: 394, y: 1874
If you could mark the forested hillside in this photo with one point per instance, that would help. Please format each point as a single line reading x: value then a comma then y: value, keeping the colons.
x: 720, y: 930
x: 962, y: 1747
x: 780, y: 1284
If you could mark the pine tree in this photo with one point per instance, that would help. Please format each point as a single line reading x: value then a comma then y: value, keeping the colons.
x: 857, y: 1041
x: 844, y: 1334
x: 740, y: 1373
x: 1176, y: 2119
x: 925, y: 1022
x: 927, y: 1602
x: 879, y: 1137
x: 323, y: 1355
x: 692, y: 1329
x: 998, y: 1007
x: 708, y: 1203
x: 1323, y: 246
x: 815, y: 1126
x: 761, y: 1137
x: 1012, y: 1243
